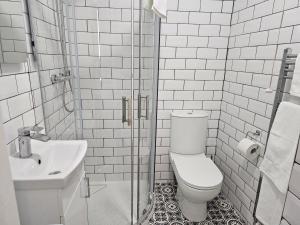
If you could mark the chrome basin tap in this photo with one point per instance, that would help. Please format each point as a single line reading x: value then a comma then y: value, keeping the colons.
x: 25, y: 136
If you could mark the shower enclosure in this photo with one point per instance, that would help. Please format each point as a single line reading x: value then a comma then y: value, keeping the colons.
x: 109, y: 51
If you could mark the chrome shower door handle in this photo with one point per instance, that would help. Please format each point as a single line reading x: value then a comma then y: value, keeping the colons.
x: 146, y: 99
x: 126, y: 111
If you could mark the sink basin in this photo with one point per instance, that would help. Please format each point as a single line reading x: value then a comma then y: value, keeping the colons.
x: 52, y: 165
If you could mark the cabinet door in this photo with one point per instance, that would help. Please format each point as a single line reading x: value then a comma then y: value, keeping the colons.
x: 76, y: 213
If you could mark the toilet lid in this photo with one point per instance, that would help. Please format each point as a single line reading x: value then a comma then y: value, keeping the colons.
x: 197, y: 171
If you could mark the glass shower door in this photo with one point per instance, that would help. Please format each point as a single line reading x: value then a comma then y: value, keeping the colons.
x: 111, y: 200
x: 106, y: 86
x: 116, y: 77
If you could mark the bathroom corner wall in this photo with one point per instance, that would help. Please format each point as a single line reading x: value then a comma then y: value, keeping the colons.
x: 260, y: 31
x: 59, y: 123
x: 20, y: 92
x: 194, y: 40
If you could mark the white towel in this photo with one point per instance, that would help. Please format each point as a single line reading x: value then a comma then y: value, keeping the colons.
x: 295, y: 86
x: 160, y: 8
x: 270, y: 203
x: 282, y: 145
x: 277, y: 163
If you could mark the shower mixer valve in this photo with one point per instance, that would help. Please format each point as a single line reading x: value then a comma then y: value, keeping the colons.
x: 60, y: 77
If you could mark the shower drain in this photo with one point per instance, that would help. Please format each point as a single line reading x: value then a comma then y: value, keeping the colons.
x: 54, y: 172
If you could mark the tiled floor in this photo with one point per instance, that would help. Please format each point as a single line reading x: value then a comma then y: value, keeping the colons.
x: 167, y: 212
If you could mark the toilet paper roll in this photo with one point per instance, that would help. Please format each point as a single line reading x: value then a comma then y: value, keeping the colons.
x: 248, y: 148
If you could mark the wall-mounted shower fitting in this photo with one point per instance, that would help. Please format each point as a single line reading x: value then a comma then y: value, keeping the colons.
x: 60, y: 77
x: 63, y: 78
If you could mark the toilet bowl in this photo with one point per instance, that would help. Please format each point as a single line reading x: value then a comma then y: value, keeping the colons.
x: 199, y: 179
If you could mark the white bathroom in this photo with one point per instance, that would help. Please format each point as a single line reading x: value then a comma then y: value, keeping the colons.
x: 149, y: 112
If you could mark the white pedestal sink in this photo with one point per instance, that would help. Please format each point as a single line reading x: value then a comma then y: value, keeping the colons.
x: 50, y: 186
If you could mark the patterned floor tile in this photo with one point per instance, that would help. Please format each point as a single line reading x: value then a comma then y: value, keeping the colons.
x: 167, y: 212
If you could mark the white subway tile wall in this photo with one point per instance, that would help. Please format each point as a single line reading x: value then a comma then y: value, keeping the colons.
x: 194, y: 40
x: 13, y: 34
x: 260, y: 30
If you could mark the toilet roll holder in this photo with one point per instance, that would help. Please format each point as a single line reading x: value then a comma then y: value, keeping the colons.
x: 257, y: 133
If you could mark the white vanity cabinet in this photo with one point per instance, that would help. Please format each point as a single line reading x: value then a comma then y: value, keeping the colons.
x: 66, y: 205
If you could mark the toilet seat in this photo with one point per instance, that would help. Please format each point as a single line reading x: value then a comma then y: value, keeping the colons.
x: 197, y: 171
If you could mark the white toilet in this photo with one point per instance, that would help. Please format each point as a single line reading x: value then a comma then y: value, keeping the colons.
x: 199, y: 179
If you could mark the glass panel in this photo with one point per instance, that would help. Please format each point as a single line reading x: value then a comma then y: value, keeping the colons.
x: 147, y: 96
x: 73, y: 62
x: 146, y: 109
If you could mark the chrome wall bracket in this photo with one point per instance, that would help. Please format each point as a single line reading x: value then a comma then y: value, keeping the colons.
x: 257, y: 133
